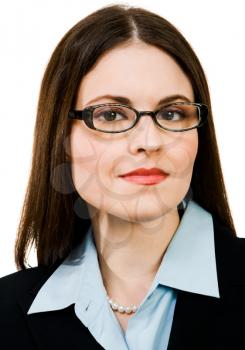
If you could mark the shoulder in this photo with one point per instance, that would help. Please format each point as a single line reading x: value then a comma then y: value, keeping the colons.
x: 18, y: 282
x: 224, y: 237
x: 17, y: 286
x: 13, y: 288
x: 237, y: 254
x: 230, y: 253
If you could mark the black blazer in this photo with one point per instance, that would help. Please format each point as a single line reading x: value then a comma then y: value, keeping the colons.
x: 200, y: 322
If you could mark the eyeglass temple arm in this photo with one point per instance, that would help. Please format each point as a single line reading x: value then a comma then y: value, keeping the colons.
x: 75, y: 114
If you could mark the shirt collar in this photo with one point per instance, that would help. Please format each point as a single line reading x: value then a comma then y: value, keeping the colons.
x: 188, y: 264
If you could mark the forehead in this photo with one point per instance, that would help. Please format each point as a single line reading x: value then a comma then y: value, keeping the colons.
x: 139, y: 71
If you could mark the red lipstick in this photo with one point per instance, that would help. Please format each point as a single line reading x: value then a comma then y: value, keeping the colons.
x: 145, y: 176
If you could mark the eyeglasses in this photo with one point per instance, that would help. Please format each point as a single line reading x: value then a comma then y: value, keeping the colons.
x: 116, y: 118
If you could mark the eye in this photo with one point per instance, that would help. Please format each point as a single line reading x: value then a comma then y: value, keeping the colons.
x: 109, y: 114
x: 171, y: 112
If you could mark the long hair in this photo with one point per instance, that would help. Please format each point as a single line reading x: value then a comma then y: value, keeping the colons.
x: 53, y: 216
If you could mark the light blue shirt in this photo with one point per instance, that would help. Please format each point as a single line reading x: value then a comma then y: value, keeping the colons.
x: 189, y: 264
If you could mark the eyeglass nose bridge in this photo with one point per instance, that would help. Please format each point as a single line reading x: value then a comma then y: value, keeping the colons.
x: 151, y: 113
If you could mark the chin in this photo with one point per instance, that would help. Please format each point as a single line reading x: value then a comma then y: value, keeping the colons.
x: 143, y: 216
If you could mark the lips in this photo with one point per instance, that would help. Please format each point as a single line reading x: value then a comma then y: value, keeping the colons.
x: 145, y: 172
x: 143, y: 176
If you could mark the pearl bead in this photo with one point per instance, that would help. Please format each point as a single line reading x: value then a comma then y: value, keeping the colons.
x: 134, y: 309
x: 128, y: 310
x: 121, y: 308
x: 114, y: 306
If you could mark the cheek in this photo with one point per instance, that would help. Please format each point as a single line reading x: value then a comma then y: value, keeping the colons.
x: 91, y: 159
x: 183, y: 153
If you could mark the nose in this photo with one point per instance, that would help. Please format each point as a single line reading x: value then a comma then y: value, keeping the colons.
x: 147, y: 135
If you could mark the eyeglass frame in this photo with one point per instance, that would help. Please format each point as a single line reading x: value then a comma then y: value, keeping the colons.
x: 86, y: 114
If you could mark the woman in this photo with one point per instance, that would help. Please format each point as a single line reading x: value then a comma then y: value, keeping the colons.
x: 126, y: 202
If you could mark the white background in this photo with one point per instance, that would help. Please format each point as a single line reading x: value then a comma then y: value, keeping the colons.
x: 29, y: 33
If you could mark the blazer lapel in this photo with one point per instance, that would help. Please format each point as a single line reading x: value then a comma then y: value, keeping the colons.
x: 59, y: 329
x: 204, y: 322
x: 192, y: 326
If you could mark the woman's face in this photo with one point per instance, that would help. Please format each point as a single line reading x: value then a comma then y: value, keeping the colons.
x: 145, y: 75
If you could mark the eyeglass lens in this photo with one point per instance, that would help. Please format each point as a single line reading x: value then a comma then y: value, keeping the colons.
x: 120, y: 118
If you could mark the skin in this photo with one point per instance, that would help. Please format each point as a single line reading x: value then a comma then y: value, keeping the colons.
x: 133, y: 224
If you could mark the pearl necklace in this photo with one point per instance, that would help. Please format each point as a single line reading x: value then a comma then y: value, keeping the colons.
x: 116, y: 307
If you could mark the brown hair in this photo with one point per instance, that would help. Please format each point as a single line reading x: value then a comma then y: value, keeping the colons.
x: 53, y: 216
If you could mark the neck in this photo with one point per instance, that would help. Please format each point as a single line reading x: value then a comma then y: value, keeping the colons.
x: 129, y: 253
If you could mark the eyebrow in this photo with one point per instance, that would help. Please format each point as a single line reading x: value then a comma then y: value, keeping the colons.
x: 125, y: 100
